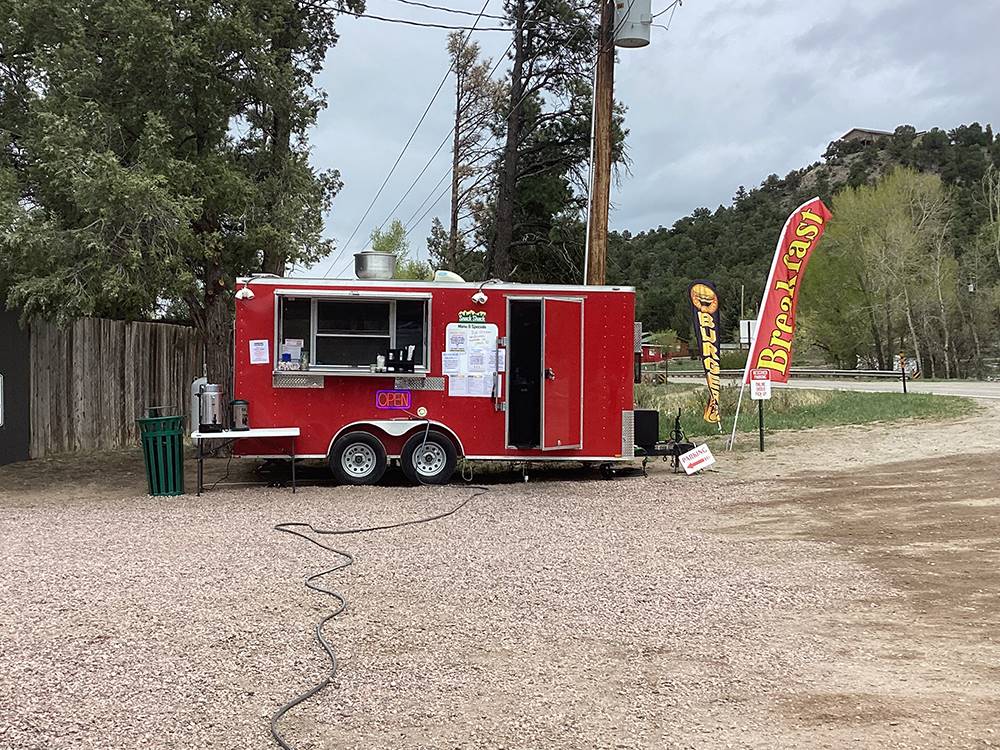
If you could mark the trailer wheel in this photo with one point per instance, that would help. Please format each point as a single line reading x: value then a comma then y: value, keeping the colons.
x: 358, y: 458
x: 429, y: 458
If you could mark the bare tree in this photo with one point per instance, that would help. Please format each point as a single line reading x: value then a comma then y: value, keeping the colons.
x: 944, y: 282
x: 553, y: 46
x: 912, y: 233
x: 991, y: 199
x: 895, y: 257
x: 476, y: 103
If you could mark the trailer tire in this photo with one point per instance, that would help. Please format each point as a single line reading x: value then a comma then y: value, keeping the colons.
x: 429, y: 457
x: 358, y: 458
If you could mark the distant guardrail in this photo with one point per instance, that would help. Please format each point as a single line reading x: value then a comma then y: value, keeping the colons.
x: 796, y: 372
x: 805, y: 372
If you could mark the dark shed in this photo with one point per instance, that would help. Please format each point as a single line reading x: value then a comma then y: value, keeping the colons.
x: 15, y: 389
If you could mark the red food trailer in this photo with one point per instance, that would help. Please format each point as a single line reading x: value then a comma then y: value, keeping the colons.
x: 428, y: 372
x: 652, y: 353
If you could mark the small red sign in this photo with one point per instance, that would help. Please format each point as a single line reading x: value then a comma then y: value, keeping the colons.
x: 760, y: 384
x: 393, y: 399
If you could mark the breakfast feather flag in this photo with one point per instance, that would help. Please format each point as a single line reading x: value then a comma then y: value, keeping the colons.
x: 772, y: 345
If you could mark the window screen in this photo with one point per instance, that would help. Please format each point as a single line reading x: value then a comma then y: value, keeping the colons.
x: 353, y: 351
x: 349, y: 318
x: 411, y: 320
x: 352, y: 333
x: 296, y: 319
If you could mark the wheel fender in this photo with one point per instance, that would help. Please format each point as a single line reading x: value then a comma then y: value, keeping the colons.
x: 398, y: 430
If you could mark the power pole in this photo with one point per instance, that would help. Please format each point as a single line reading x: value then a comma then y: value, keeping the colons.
x: 600, y: 179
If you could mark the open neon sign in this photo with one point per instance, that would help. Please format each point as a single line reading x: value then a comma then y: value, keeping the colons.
x: 393, y: 399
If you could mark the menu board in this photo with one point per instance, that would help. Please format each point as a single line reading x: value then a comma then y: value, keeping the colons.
x: 470, y: 359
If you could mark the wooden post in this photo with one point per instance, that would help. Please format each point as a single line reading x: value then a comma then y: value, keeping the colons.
x: 600, y: 187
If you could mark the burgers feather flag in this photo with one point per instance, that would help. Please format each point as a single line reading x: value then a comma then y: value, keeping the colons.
x: 705, y: 309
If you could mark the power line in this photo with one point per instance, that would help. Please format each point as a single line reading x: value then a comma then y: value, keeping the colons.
x: 409, y: 140
x: 416, y: 179
x: 500, y: 59
x: 446, y: 9
x: 429, y: 208
x: 670, y: 19
x: 409, y: 222
x: 424, y: 24
x: 672, y: 7
x: 485, y: 115
x: 451, y: 132
x: 499, y: 62
x: 450, y: 10
x: 602, y: 47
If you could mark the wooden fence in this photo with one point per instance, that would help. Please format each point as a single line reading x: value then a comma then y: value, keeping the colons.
x: 92, y: 379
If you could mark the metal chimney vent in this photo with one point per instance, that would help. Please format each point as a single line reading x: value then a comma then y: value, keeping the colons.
x: 372, y: 265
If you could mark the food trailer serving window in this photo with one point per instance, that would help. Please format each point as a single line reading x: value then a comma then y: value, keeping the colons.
x: 350, y: 334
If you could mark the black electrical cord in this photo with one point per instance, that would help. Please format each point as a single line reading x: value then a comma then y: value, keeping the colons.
x: 303, y: 531
x: 224, y: 476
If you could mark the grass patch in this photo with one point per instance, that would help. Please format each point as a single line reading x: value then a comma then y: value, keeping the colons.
x: 681, y: 364
x: 794, y: 408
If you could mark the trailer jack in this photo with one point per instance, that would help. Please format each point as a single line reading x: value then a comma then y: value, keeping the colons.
x: 671, y: 449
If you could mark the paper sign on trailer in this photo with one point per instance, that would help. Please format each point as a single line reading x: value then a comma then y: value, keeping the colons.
x: 760, y: 384
x: 259, y: 354
x: 697, y: 459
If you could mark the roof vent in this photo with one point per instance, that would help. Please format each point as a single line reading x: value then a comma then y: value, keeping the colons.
x: 449, y: 277
x: 371, y: 265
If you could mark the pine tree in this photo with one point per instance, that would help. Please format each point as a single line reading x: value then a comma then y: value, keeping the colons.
x: 158, y: 173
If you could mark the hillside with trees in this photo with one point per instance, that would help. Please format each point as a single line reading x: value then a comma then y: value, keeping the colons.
x: 911, y: 262
x: 130, y: 190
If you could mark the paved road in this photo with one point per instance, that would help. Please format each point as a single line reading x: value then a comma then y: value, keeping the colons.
x: 970, y: 388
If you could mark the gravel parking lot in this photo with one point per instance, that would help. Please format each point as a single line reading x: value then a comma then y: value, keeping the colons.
x: 636, y: 613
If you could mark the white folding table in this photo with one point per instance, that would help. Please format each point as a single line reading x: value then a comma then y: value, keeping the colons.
x: 230, y: 436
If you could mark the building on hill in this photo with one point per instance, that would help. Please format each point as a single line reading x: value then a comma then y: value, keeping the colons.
x: 864, y: 135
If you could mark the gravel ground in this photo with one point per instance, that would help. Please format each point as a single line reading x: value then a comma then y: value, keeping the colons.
x: 558, y: 613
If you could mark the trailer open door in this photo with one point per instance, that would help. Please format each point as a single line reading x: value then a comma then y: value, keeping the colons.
x: 562, y: 373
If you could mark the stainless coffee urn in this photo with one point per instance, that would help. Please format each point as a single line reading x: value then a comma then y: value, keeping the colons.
x: 211, y: 408
x: 240, y: 414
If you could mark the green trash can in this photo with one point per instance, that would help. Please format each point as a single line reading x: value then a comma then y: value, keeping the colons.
x: 163, y: 450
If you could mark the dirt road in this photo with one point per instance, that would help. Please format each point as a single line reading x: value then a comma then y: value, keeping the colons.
x: 917, y: 665
x: 839, y: 591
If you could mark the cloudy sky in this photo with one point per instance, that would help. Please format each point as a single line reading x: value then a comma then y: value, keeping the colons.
x: 733, y: 92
